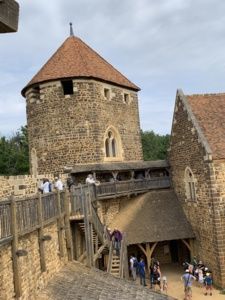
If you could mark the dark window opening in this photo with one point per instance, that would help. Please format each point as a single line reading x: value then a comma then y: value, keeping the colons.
x: 107, y: 148
x: 113, y: 148
x: 107, y: 93
x: 36, y: 93
x: 67, y: 87
x: 126, y: 98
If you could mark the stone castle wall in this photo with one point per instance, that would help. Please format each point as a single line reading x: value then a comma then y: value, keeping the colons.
x: 23, y: 185
x: 67, y: 129
x: 32, y: 278
x: 187, y: 151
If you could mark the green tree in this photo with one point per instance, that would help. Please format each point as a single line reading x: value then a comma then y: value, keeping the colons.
x: 154, y: 145
x: 14, y: 153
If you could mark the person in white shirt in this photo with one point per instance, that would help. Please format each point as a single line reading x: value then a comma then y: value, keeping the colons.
x: 90, y: 179
x: 58, y: 184
x: 45, y: 186
x: 133, y: 266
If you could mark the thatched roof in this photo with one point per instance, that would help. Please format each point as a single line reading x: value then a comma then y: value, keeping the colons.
x: 119, y: 166
x: 153, y: 217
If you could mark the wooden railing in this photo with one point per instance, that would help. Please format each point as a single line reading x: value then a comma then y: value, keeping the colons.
x: 109, y: 265
x: 22, y: 216
x: 27, y: 213
x: 118, y: 188
x: 124, y: 272
x: 5, y: 220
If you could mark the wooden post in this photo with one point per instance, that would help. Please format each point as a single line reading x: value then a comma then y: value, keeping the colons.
x: 148, y: 251
x: 60, y: 225
x: 90, y: 217
x: 96, y: 243
x: 15, y: 260
x: 41, y: 234
x: 188, y: 246
x: 88, y: 228
x: 126, y: 266
x: 69, y: 244
x: 109, y: 265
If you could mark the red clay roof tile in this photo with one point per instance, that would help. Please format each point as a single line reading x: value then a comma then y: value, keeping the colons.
x: 209, y: 110
x: 76, y: 59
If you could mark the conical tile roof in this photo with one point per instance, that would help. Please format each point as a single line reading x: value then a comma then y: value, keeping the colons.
x: 76, y: 59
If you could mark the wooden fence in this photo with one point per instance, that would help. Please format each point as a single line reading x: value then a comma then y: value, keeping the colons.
x: 21, y: 216
x: 27, y: 216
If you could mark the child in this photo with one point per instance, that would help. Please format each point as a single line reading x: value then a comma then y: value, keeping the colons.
x: 164, y: 284
x: 200, y: 277
x: 208, y: 284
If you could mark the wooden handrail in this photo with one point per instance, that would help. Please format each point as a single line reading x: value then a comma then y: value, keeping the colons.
x: 110, y: 257
x: 107, y: 189
x: 123, y: 257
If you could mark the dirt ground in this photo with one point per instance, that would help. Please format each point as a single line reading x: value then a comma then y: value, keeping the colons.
x: 175, y: 285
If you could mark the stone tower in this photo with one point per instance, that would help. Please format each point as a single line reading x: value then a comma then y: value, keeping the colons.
x: 80, y: 109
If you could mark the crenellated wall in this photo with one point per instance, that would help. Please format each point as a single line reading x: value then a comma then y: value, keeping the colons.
x: 23, y: 185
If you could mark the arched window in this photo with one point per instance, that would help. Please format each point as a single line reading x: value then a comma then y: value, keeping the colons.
x: 112, y: 144
x: 190, y: 185
x: 107, y: 147
x: 113, y: 147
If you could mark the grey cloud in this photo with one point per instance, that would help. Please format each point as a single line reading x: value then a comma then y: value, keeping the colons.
x: 160, y: 45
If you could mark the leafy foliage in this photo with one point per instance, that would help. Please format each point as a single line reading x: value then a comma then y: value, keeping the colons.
x: 14, y: 153
x: 154, y: 145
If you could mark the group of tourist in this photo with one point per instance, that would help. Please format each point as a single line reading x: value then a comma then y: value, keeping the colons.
x: 194, y: 272
x: 139, y: 268
x: 47, y: 186
x: 199, y: 272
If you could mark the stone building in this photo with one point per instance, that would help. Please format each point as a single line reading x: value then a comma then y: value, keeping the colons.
x: 196, y: 157
x: 80, y: 109
x: 83, y: 117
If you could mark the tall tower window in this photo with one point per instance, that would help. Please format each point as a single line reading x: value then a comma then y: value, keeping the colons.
x: 112, y: 142
x: 110, y: 145
x: 190, y: 185
x: 67, y: 87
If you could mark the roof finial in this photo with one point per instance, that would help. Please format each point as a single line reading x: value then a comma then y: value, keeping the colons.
x: 71, y: 29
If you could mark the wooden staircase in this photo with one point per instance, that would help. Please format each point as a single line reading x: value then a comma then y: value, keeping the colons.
x: 97, y: 238
x: 115, y: 265
x: 118, y: 265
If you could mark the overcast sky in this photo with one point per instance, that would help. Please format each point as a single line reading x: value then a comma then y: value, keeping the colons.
x: 160, y: 45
